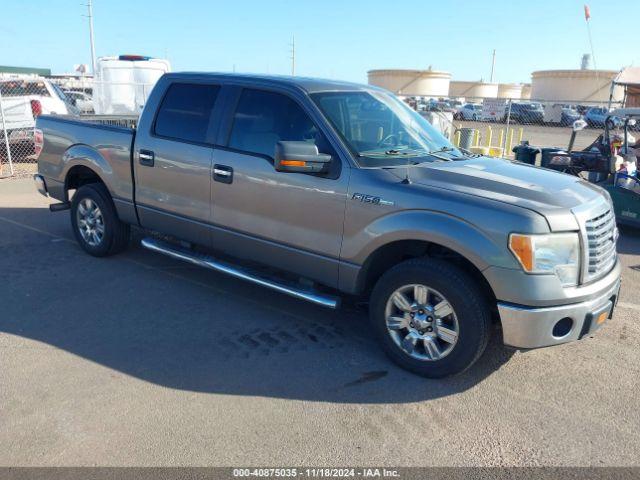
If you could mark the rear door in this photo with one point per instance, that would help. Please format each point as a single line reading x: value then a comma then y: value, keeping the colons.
x: 292, y: 221
x: 172, y: 162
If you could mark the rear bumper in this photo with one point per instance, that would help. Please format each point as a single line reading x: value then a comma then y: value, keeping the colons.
x: 533, y: 327
x: 41, y: 184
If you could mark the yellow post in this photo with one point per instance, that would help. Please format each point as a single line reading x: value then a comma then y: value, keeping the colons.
x: 476, y: 138
x: 501, y: 138
x: 520, y: 134
x: 488, y: 138
x: 509, y: 142
x: 456, y: 138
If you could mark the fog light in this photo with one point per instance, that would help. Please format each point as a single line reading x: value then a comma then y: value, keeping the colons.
x: 562, y: 327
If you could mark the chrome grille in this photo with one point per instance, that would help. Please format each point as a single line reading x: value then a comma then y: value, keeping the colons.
x: 601, y: 237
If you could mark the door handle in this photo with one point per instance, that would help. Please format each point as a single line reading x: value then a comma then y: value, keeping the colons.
x: 222, y: 173
x: 146, y: 158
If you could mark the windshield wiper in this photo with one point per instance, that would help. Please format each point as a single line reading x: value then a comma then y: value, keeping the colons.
x: 390, y: 153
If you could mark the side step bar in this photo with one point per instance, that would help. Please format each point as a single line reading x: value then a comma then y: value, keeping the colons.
x: 206, y: 261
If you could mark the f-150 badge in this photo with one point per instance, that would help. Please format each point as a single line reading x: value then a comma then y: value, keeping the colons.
x: 361, y: 197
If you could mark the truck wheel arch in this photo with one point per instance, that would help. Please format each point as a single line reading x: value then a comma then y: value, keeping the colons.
x: 393, y: 253
x: 419, y: 233
x: 79, y: 175
x: 83, y: 164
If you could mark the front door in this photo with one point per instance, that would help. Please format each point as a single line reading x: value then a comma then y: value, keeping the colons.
x: 291, y: 221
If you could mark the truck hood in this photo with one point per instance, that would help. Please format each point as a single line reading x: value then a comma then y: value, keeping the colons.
x: 544, y: 191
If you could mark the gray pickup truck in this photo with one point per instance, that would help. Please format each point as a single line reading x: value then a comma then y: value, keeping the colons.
x: 321, y: 190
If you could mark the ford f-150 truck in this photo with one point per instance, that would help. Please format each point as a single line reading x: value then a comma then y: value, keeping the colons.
x: 322, y: 190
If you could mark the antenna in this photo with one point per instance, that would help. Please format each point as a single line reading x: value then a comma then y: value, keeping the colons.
x: 293, y: 55
x: 407, y: 180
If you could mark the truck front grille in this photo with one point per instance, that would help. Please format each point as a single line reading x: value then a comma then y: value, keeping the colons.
x: 601, y: 237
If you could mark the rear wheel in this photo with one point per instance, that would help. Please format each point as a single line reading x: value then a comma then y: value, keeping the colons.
x: 430, y: 317
x: 95, y: 222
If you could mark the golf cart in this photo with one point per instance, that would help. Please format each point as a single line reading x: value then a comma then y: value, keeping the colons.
x: 610, y: 162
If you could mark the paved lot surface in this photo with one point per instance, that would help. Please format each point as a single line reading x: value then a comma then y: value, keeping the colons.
x: 140, y: 360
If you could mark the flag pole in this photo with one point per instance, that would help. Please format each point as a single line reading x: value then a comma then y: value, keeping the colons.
x: 587, y: 17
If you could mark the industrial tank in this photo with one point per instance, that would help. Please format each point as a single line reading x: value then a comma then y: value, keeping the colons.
x: 510, y: 90
x: 579, y: 86
x: 423, y: 83
x: 473, y: 89
x: 526, y: 92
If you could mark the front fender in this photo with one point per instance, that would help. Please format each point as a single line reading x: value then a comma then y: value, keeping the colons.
x: 455, y: 233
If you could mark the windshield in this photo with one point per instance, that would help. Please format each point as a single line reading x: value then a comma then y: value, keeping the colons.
x: 380, y: 130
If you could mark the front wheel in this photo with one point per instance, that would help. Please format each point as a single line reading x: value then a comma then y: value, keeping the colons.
x: 430, y: 317
x: 95, y: 222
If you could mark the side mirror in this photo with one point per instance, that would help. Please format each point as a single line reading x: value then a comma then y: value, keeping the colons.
x: 579, y: 124
x: 301, y: 157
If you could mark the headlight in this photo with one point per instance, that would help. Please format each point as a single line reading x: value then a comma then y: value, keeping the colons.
x: 557, y: 253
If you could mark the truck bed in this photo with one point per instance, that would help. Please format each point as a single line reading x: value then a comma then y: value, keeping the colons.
x: 102, y: 147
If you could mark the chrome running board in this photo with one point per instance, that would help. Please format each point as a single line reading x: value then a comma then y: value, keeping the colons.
x: 206, y: 261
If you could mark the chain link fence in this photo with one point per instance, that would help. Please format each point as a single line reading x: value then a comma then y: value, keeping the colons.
x: 495, y: 126
x: 24, y: 98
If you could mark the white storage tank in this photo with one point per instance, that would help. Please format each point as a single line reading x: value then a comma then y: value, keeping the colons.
x: 526, y: 92
x: 510, y: 90
x: 579, y: 86
x: 422, y: 83
x: 471, y: 90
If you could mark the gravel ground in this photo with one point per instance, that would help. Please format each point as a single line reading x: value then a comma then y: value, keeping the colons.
x: 141, y: 360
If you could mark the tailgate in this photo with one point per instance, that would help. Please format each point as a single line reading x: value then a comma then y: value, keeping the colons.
x: 16, y: 113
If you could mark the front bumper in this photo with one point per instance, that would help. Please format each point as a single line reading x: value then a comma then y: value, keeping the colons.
x: 533, y: 327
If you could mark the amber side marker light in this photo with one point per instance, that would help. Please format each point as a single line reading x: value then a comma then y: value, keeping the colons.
x: 293, y: 163
x: 521, y: 247
x: 603, y: 316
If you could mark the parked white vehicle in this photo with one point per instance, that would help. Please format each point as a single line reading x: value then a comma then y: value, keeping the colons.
x: 123, y: 84
x: 469, y: 111
x: 82, y: 101
x: 23, y: 100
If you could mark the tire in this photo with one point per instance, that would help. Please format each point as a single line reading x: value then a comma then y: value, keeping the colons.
x: 115, y: 234
x: 470, y: 314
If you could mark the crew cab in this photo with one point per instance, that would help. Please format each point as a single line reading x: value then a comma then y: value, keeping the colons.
x: 324, y: 190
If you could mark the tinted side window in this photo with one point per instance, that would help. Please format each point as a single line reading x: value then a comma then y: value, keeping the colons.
x: 262, y: 119
x: 185, y: 112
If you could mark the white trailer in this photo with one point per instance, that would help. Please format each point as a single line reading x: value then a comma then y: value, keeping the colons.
x: 123, y: 84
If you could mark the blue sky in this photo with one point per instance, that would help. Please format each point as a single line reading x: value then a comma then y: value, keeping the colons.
x: 334, y: 38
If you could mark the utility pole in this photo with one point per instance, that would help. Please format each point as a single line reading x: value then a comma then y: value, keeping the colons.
x: 493, y: 65
x: 293, y: 55
x: 93, y: 49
